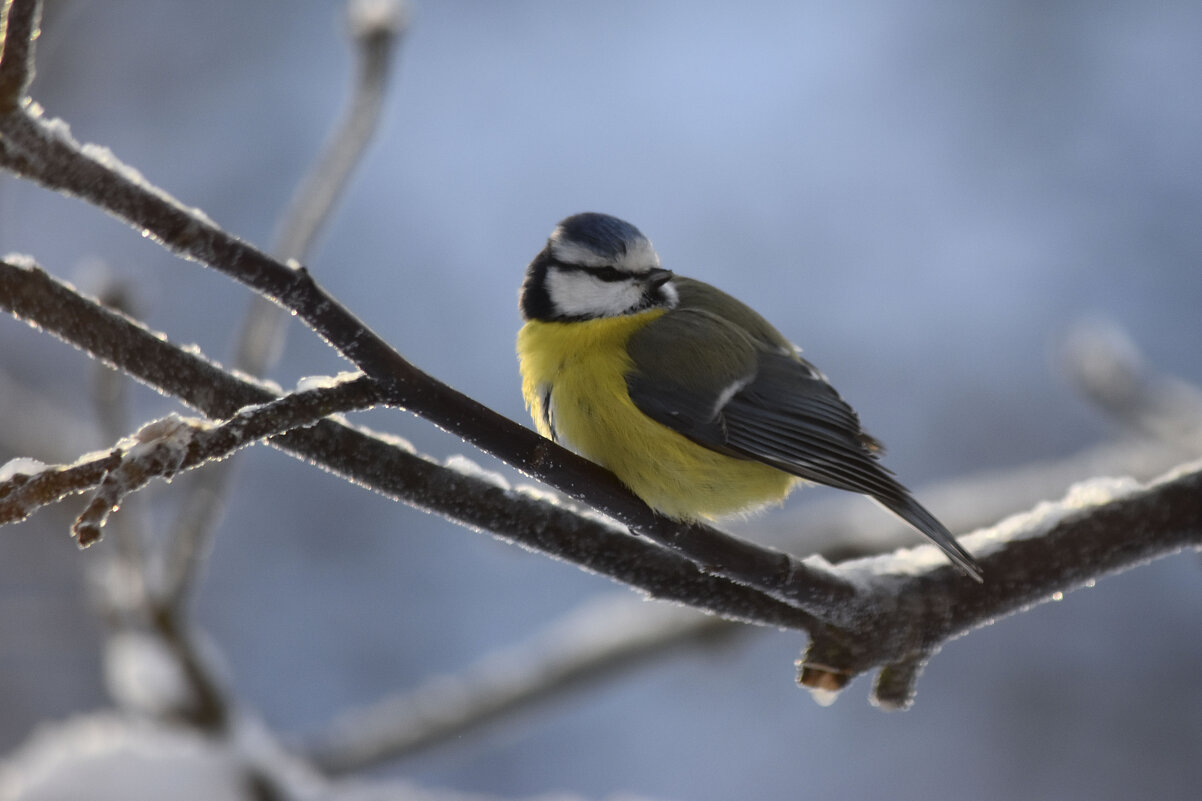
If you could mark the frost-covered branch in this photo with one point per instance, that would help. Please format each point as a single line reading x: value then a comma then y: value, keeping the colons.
x: 1107, y: 367
x: 885, y: 612
x: 385, y: 465
x: 45, y: 152
x: 900, y: 620
x: 842, y: 528
x: 376, y: 27
x: 20, y: 28
x: 162, y: 449
x: 599, y: 638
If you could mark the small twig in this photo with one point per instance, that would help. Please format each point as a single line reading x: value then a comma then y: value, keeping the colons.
x: 165, y: 447
x: 599, y: 638
x: 20, y: 29
x: 110, y: 400
x: 376, y: 26
x: 1109, y: 370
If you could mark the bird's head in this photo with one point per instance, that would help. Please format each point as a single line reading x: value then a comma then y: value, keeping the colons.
x: 595, y: 265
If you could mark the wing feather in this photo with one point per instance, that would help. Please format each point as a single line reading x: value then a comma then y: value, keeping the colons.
x: 744, y: 392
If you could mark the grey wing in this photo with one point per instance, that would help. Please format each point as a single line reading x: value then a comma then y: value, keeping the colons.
x: 761, y: 403
x: 736, y: 395
x: 791, y: 418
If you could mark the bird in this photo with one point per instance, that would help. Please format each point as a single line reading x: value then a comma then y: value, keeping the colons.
x: 690, y: 397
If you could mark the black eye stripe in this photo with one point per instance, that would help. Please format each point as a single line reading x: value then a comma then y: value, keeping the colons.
x: 604, y: 273
x: 608, y: 273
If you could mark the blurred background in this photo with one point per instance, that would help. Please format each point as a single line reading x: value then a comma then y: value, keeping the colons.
x: 926, y: 196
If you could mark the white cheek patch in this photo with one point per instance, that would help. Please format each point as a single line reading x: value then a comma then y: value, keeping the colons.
x: 577, y: 294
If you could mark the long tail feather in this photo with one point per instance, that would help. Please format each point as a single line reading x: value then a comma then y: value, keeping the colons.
x: 917, y: 516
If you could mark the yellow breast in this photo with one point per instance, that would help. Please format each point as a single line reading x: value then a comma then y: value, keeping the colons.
x: 581, y: 367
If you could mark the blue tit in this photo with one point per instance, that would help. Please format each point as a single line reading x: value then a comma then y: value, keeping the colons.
x: 692, y: 399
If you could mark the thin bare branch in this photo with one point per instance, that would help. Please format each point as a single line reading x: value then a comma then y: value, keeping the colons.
x: 1107, y: 367
x: 597, y: 639
x: 377, y: 32
x: 376, y: 27
x: 19, y: 31
x: 165, y: 447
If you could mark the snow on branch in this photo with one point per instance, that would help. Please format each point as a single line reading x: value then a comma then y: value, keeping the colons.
x: 383, y: 464
x: 892, y: 612
x: 907, y: 610
x: 163, y: 448
x: 45, y: 152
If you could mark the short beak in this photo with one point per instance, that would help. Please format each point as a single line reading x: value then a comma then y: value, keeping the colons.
x: 658, y: 276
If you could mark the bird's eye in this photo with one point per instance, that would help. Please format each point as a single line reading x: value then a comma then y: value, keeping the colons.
x: 608, y: 273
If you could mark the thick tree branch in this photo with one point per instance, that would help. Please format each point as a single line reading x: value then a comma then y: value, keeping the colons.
x: 891, y: 612
x: 384, y: 465
x: 45, y: 153
x: 905, y: 605
x: 1102, y: 526
x: 404, y: 723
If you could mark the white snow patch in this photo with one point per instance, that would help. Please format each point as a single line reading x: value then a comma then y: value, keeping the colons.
x: 22, y: 260
x: 107, y: 159
x: 56, y: 127
x: 311, y: 382
x: 265, y: 384
x: 368, y: 16
x: 1046, y: 515
x: 391, y: 440
x: 465, y: 466
x: 539, y: 493
x: 107, y: 756
x: 142, y: 674
x: 164, y: 441
x: 21, y: 466
x: 823, y: 696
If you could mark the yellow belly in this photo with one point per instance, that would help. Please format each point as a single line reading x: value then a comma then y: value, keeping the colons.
x: 585, y: 366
